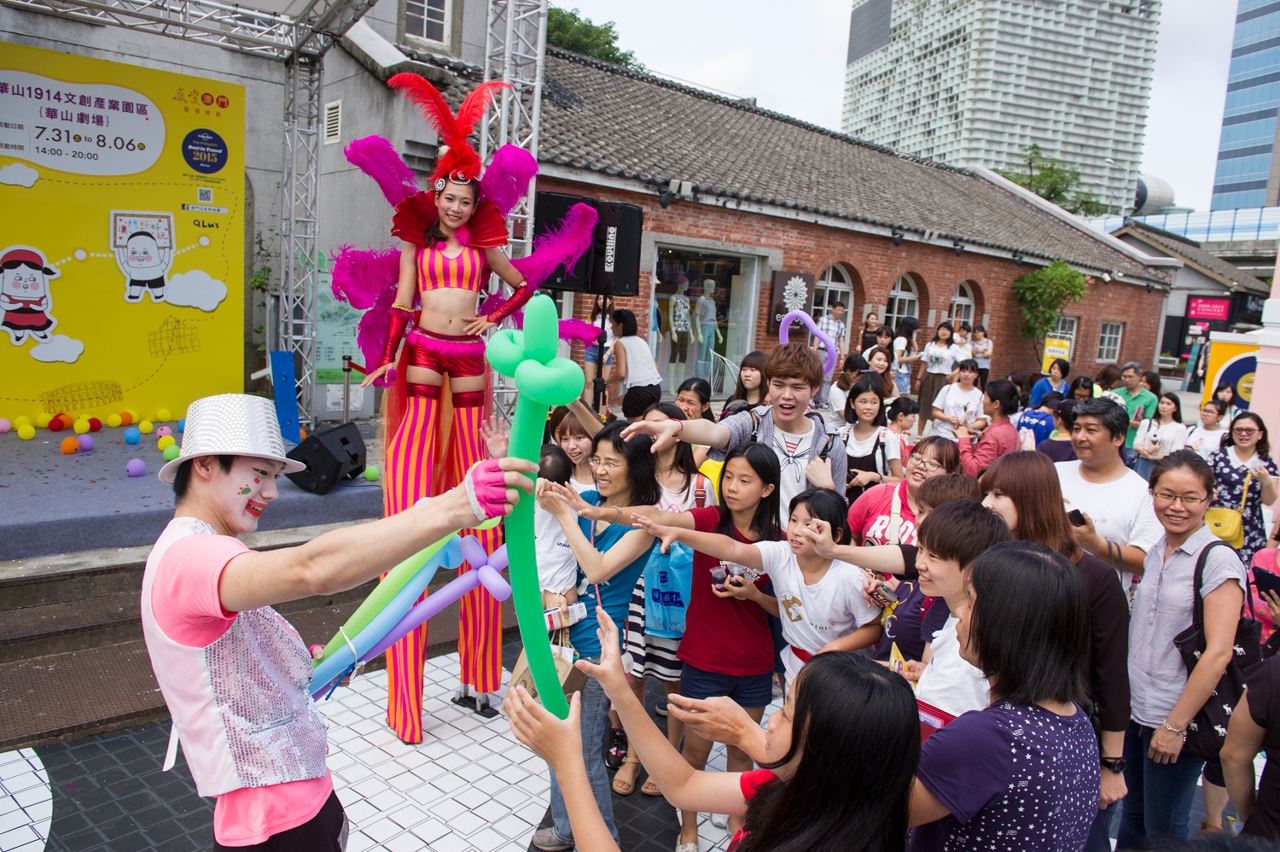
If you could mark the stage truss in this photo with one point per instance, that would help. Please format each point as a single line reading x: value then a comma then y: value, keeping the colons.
x: 515, y: 53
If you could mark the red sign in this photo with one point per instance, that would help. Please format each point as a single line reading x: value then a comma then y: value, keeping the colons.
x: 1208, y: 309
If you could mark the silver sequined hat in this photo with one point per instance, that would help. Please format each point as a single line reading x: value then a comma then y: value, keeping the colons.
x: 234, y: 424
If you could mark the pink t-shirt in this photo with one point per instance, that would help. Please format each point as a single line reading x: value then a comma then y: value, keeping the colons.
x: 185, y: 600
x: 871, y: 514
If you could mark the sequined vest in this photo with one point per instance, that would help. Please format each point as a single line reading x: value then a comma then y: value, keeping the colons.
x: 240, y: 705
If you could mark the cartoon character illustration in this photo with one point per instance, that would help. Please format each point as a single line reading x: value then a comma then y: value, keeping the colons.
x: 145, y: 263
x: 24, y: 294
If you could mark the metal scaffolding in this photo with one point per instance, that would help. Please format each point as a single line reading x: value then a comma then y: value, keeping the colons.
x: 515, y: 53
x: 299, y: 42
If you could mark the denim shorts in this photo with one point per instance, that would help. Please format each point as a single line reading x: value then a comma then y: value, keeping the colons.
x: 746, y: 690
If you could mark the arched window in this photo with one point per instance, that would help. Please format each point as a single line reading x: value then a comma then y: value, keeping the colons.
x: 834, y: 286
x: 904, y: 301
x: 961, y: 309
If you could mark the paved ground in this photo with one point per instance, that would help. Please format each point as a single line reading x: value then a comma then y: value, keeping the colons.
x: 469, y: 786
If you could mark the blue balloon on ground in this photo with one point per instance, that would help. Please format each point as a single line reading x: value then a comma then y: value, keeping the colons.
x: 132, y: 435
x: 182, y: 424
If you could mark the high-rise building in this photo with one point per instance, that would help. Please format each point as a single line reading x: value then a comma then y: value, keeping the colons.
x: 974, y: 82
x: 1247, y: 175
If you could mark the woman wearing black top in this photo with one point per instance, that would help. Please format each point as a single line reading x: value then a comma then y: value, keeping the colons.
x: 1023, y: 489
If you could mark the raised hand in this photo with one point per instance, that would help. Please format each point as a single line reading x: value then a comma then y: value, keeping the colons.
x: 554, y: 740
x: 819, y: 533
x: 665, y: 535
x: 663, y: 432
x: 496, y: 437
x: 609, y: 671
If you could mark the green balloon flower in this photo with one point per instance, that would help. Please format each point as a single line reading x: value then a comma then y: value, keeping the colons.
x: 542, y: 380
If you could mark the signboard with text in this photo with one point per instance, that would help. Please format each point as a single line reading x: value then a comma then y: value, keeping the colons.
x: 122, y: 239
x: 1055, y: 348
x: 1199, y: 308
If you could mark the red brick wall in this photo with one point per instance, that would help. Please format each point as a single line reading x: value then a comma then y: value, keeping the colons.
x: 874, y: 264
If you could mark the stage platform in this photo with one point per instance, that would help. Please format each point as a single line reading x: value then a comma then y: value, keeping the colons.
x: 52, y: 504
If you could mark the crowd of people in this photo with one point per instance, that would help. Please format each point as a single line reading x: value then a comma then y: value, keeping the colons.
x: 1011, y: 605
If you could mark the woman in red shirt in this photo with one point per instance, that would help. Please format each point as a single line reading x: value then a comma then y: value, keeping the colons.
x: 999, y: 400
x: 843, y: 711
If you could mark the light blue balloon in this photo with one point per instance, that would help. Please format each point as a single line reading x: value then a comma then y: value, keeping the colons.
x: 132, y: 435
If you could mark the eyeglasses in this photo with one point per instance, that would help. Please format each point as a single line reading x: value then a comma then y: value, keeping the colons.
x: 1188, y: 500
x: 929, y: 465
x: 611, y: 464
x: 1244, y: 433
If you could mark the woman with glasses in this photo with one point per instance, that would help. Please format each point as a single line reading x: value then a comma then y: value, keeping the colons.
x: 1245, y: 457
x: 1163, y: 696
x: 886, y: 514
x: 611, y: 557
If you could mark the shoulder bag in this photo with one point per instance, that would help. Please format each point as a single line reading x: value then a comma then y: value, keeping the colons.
x: 1208, y: 729
x: 1228, y: 524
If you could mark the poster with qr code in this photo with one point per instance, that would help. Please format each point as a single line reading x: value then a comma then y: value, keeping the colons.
x: 204, y: 195
x: 158, y: 225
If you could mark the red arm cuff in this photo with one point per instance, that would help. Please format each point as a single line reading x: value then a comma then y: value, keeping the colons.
x: 398, y: 319
x: 522, y: 295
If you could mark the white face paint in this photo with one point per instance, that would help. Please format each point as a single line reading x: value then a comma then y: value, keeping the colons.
x: 241, y: 495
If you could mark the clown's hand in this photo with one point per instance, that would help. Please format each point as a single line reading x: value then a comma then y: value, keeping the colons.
x: 493, y: 487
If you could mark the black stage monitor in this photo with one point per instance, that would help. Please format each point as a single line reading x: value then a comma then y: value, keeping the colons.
x: 549, y: 209
x: 330, y: 456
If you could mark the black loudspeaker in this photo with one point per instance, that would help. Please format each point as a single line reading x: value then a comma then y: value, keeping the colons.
x: 549, y: 208
x: 617, y: 262
x: 330, y: 456
x: 613, y: 267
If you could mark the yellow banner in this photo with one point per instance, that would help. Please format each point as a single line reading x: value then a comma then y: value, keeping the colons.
x: 1231, y: 364
x: 121, y: 236
x: 1055, y: 348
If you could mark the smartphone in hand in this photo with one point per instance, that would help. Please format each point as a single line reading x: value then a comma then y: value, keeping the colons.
x: 1266, y: 581
x: 1076, y: 517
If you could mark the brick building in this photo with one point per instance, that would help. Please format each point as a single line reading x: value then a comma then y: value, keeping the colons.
x: 750, y: 193
x: 734, y: 195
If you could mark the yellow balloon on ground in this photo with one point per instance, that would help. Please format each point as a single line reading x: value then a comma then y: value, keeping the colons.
x: 114, y: 421
x: 132, y: 414
x: 145, y: 427
x: 165, y: 442
x: 26, y: 431
x: 81, y: 426
x: 42, y: 420
x: 163, y: 415
x: 19, y: 422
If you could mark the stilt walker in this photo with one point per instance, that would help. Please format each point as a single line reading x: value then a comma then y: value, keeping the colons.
x: 452, y: 237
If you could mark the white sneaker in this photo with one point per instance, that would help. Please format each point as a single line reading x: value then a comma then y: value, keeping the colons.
x: 720, y: 820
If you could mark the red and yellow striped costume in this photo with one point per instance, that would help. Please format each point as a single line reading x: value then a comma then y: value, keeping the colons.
x: 412, y: 473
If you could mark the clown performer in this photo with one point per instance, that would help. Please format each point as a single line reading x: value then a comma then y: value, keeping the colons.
x: 233, y: 672
x: 452, y: 238
x: 24, y: 295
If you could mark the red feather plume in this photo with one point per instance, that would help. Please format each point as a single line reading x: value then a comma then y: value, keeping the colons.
x: 452, y: 129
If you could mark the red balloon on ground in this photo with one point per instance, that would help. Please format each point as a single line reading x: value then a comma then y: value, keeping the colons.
x: 56, y: 424
x: 94, y: 424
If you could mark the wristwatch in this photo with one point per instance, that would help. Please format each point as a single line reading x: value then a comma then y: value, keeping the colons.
x: 1114, y: 764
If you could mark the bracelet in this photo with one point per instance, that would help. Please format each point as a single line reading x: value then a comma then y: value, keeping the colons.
x: 1171, y: 729
x: 618, y: 519
x: 680, y: 423
x: 396, y: 306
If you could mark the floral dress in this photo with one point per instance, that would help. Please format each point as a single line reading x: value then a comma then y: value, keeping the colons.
x: 1230, y: 477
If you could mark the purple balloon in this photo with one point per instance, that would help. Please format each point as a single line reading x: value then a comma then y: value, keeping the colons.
x: 86, y: 443
x: 436, y: 603
x: 135, y: 467
x: 784, y: 334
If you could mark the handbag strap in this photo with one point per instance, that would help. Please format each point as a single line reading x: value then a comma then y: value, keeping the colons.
x: 1197, y: 613
x: 1244, y: 493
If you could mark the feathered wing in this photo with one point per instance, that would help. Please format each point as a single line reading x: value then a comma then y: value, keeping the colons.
x: 366, y: 280
x: 377, y: 158
x: 576, y: 329
x: 507, y: 179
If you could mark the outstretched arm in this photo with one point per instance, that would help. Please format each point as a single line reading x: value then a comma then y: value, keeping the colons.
x: 683, y: 520
x: 681, y: 785
x: 663, y: 432
x: 345, y: 558
x: 712, y: 544
x: 885, y: 560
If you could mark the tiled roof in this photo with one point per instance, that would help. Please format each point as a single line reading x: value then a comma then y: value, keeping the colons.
x: 1190, y: 251
x: 615, y: 121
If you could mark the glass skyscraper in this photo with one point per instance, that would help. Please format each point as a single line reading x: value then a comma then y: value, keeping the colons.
x: 1246, y: 176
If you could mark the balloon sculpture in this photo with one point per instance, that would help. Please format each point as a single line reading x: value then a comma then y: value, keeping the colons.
x: 543, y: 380
x: 784, y: 335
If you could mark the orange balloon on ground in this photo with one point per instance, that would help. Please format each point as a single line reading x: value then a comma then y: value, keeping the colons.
x: 125, y: 418
x: 69, y: 446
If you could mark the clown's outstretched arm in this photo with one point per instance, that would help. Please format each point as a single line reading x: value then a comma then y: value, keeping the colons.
x: 345, y: 558
x: 401, y: 313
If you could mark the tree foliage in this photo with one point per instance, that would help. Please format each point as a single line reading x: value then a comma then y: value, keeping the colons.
x: 569, y: 30
x: 1042, y: 294
x: 1056, y: 181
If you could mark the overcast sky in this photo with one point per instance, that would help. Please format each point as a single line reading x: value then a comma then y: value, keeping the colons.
x: 794, y: 63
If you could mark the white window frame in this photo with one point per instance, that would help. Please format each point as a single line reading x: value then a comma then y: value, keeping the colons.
x: 897, y: 295
x: 833, y: 286
x: 1067, y: 328
x: 963, y: 299
x: 426, y: 5
x: 1103, y: 342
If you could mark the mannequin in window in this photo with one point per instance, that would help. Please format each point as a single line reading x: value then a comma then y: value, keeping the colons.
x: 681, y: 330
x: 708, y: 327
